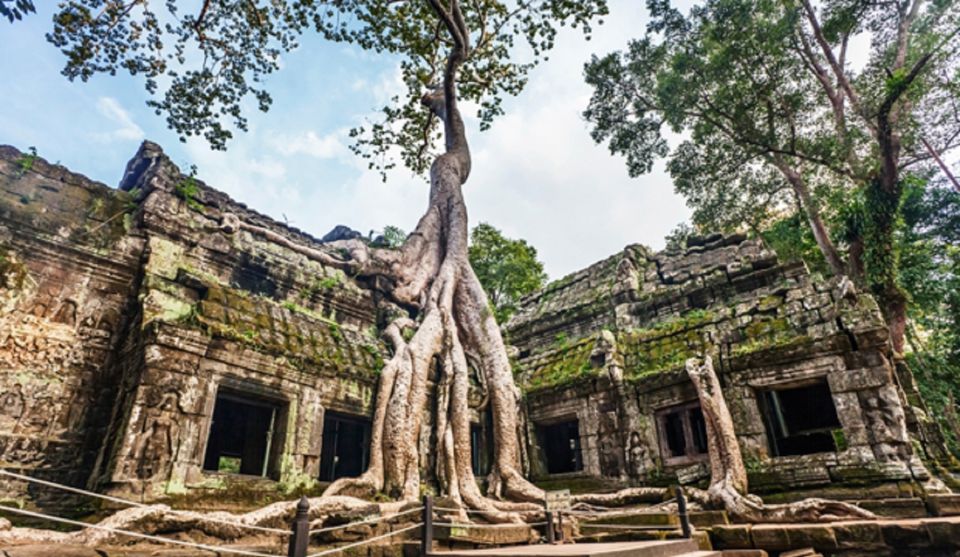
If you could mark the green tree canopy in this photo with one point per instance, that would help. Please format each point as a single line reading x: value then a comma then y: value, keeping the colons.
x: 508, y: 269
x: 200, y: 67
x: 930, y: 244
x: 772, y: 114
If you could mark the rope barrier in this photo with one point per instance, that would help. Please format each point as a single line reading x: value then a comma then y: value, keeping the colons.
x: 137, y: 534
x: 368, y: 521
x: 487, y: 526
x: 193, y: 515
x: 471, y: 511
x: 654, y: 509
x: 632, y: 527
x: 364, y: 542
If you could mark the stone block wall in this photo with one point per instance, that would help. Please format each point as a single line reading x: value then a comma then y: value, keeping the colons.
x: 68, y: 268
x: 768, y: 326
x: 125, y: 311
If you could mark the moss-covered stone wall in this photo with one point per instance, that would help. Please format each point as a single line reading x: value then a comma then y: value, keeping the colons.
x: 125, y: 311
x: 607, y: 346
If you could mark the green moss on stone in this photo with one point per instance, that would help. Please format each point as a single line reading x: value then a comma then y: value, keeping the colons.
x: 565, y: 365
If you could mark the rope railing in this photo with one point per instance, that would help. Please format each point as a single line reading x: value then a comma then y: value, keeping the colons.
x: 366, y: 541
x: 137, y: 535
x: 468, y: 511
x: 300, y: 532
x: 119, y: 500
x: 368, y: 521
x: 637, y: 527
x: 487, y: 526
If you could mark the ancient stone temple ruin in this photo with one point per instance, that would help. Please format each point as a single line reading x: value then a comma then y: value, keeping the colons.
x: 153, y: 346
x: 804, y: 362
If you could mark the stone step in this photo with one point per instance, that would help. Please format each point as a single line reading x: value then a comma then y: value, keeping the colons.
x: 904, y: 507
x: 499, y: 534
x: 668, y: 548
x: 947, y: 504
x: 804, y: 552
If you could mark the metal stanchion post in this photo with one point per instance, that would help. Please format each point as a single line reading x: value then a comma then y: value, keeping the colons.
x: 550, y: 538
x: 426, y: 539
x: 300, y: 530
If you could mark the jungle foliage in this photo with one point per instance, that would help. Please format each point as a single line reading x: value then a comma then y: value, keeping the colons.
x: 777, y: 122
x: 508, y: 269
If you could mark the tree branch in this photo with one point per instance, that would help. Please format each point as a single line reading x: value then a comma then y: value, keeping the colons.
x: 943, y: 165
x: 838, y: 70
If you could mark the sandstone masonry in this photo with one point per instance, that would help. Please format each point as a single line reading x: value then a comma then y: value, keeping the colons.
x: 150, y: 347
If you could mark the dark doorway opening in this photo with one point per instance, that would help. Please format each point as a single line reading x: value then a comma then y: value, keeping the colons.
x: 561, y: 447
x: 683, y: 433
x: 241, y: 439
x: 346, y: 446
x: 800, y: 420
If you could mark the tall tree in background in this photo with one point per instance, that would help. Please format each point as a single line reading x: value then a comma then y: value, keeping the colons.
x: 507, y: 269
x: 448, y: 52
x: 774, y: 113
x: 930, y: 243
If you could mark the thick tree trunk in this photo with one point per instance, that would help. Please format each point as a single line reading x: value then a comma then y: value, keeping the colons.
x: 728, y: 476
x: 456, y: 332
x: 812, y: 210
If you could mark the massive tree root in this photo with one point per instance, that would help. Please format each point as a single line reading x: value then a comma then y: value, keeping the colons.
x: 161, y: 520
x: 728, y: 476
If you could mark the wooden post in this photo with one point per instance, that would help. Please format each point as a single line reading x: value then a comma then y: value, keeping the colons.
x: 682, y: 512
x: 550, y: 538
x: 426, y: 538
x: 300, y: 530
x: 560, y: 525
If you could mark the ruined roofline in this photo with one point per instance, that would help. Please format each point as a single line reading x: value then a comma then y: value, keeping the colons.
x: 640, y: 277
x: 55, y: 171
x: 150, y: 157
x: 637, y: 252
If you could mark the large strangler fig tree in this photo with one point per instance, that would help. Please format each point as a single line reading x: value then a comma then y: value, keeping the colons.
x: 448, y: 52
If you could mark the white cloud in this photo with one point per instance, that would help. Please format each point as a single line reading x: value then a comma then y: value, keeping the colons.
x: 309, y: 143
x: 112, y: 110
x: 537, y: 174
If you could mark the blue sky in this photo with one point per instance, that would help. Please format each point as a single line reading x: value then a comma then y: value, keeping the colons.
x: 537, y: 174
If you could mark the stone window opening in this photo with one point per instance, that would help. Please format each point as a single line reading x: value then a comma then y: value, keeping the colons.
x: 345, y: 451
x: 800, y: 419
x: 243, y: 435
x: 481, y: 445
x: 683, y: 433
x: 560, y: 443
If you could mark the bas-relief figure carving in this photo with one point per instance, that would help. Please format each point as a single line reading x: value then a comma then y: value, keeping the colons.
x: 11, y: 408
x: 637, y: 456
x: 155, y: 448
x: 611, y: 450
